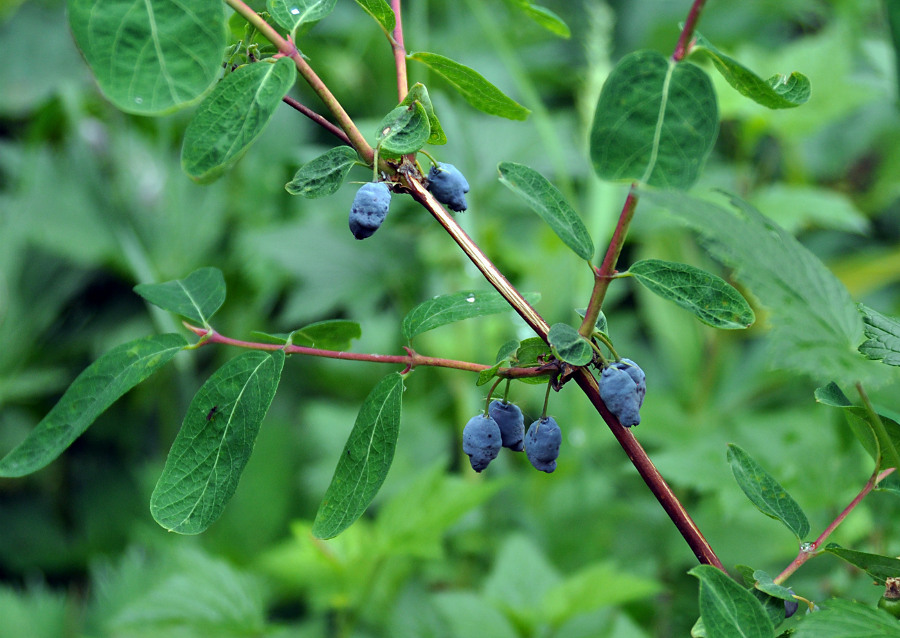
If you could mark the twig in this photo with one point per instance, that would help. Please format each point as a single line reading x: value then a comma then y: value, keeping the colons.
x: 318, y: 119
x: 399, y: 52
x: 684, y: 40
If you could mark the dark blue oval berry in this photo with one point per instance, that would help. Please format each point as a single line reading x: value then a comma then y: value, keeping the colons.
x: 542, y: 443
x: 619, y: 392
x: 637, y: 375
x: 481, y: 441
x: 512, y: 424
x: 790, y: 606
x: 448, y: 186
x: 370, y: 207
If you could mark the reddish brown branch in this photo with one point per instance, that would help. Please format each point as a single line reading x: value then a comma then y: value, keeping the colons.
x: 399, y: 52
x: 682, y: 48
x: 318, y: 119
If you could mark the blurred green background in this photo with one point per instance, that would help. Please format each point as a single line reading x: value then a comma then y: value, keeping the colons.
x: 93, y: 201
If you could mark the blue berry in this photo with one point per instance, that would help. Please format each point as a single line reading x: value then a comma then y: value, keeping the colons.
x: 637, y: 375
x: 448, y: 186
x: 790, y: 606
x: 370, y: 207
x: 481, y: 441
x: 542, y: 444
x: 620, y: 394
x: 512, y: 424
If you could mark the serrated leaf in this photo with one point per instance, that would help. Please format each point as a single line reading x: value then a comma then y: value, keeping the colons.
x: 404, y: 130
x: 568, y: 345
x: 476, y: 90
x: 457, y: 306
x: 92, y: 391
x: 712, y: 299
x: 233, y: 116
x: 137, y: 50
x: 419, y: 93
x: 656, y: 122
x: 293, y: 14
x: 382, y: 13
x: 323, y: 175
x: 883, y: 336
x: 766, y: 493
x: 815, y: 324
x: 365, y: 461
x: 848, y: 619
x: 778, y: 92
x: 877, y: 567
x: 544, y: 17
x: 214, y: 444
x: 728, y: 610
x: 197, y: 297
x: 550, y: 205
x: 532, y: 353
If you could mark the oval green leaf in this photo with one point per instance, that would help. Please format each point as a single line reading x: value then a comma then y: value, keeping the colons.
x: 778, y: 92
x: 92, y: 391
x: 878, y: 567
x: 365, y: 461
x: 404, y: 130
x: 419, y: 93
x: 476, y: 90
x: 842, y: 618
x: 457, y: 306
x: 137, y: 50
x: 766, y: 493
x: 215, y: 441
x: 196, y: 297
x: 294, y: 14
x: 532, y: 353
x: 568, y: 345
x: 727, y: 609
x: 544, y: 17
x: 381, y: 11
x: 331, y: 334
x: 323, y: 175
x: 713, y: 300
x: 550, y: 205
x: 656, y: 122
x: 230, y: 119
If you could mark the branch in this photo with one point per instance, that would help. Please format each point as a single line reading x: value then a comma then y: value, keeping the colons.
x: 684, y: 40
x: 318, y: 119
x: 286, y: 48
x: 399, y: 52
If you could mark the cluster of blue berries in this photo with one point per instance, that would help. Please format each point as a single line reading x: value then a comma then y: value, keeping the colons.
x: 504, y: 426
x: 448, y: 186
x: 370, y: 207
x: 623, y: 386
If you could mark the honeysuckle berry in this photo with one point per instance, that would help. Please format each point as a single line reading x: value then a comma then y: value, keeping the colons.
x: 637, y: 375
x: 542, y: 443
x: 620, y: 394
x: 512, y: 424
x: 370, y: 207
x: 481, y: 441
x: 448, y: 186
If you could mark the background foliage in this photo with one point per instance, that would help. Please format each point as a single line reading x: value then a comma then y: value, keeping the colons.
x: 94, y: 201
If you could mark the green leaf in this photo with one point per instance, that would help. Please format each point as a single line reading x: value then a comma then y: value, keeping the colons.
x: 832, y: 395
x: 230, y: 119
x: 476, y: 90
x: 418, y: 93
x: 508, y: 350
x: 92, y: 391
x: 486, y: 375
x: 568, y: 345
x: 292, y: 14
x: 215, y: 441
x: 778, y: 92
x: 331, y: 334
x: 470, y: 614
x: 883, y: 336
x: 137, y: 50
x: 404, y: 130
x: 877, y: 567
x: 457, y: 306
x: 728, y: 609
x: 365, y: 461
x: 381, y: 11
x: 848, y: 619
x: 656, y: 122
x: 544, y: 17
x: 197, y: 297
x: 323, y: 175
x: 600, y: 325
x: 766, y: 493
x: 712, y: 299
x: 532, y: 353
x: 550, y: 205
x: 816, y: 327
x: 765, y: 583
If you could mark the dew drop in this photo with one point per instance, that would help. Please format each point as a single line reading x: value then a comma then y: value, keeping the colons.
x: 295, y: 11
x: 138, y: 100
x: 470, y: 299
x: 806, y: 548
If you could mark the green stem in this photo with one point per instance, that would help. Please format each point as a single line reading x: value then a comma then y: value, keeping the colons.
x: 287, y: 49
x: 546, y: 401
x: 884, y: 440
x: 487, y: 403
x: 603, y: 275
